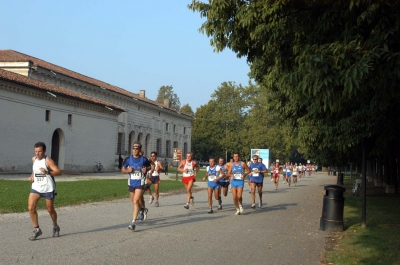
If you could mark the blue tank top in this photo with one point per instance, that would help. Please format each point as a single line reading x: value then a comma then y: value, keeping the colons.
x: 237, y: 170
x: 224, y: 170
x: 212, y: 173
x: 136, y: 178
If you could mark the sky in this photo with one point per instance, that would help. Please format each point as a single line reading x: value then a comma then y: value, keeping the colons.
x: 135, y: 45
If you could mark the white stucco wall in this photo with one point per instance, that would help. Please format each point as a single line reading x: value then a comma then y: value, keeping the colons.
x: 91, y: 137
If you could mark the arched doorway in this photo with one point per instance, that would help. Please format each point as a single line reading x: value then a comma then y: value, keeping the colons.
x: 131, y: 140
x: 58, y: 148
x: 148, y: 146
x: 55, y: 147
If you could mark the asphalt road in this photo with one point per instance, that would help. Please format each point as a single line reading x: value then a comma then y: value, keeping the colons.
x: 284, y: 231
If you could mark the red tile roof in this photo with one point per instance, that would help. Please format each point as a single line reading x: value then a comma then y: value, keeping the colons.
x: 36, y: 84
x: 14, y: 56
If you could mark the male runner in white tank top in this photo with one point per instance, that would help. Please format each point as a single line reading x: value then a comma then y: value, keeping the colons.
x: 43, y: 186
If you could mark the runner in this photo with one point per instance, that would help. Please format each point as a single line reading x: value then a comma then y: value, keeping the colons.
x: 214, y: 175
x: 43, y: 186
x: 154, y: 177
x: 258, y: 170
x: 288, y: 173
x: 308, y: 169
x: 238, y: 171
x: 294, y: 173
x: 275, y: 176
x: 189, y: 170
x: 300, y: 169
x: 224, y: 182
x: 136, y: 166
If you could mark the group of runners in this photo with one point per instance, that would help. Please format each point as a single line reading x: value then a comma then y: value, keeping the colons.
x: 291, y: 173
x: 144, y: 172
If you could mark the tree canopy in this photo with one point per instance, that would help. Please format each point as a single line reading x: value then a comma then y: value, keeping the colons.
x: 166, y: 92
x: 331, y: 67
x: 186, y: 109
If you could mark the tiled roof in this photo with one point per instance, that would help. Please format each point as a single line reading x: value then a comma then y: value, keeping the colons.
x: 14, y: 56
x: 23, y: 80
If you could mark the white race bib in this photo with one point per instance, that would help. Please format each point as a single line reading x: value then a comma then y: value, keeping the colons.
x: 136, y: 175
x: 237, y: 175
x: 212, y: 177
x: 40, y: 179
x: 276, y: 171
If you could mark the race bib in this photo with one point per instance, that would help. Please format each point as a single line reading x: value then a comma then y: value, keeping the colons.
x: 212, y: 177
x: 237, y: 175
x: 190, y: 172
x: 136, y: 175
x: 276, y: 171
x: 40, y: 179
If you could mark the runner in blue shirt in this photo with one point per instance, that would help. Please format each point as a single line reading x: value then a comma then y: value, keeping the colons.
x: 258, y: 169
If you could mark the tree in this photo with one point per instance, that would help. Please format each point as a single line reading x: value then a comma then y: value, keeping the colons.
x: 186, y: 109
x: 166, y: 92
x: 332, y: 68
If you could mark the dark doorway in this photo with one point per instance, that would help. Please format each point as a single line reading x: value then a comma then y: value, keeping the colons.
x: 55, y: 147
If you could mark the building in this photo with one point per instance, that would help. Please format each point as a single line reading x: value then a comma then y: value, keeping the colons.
x: 95, y: 121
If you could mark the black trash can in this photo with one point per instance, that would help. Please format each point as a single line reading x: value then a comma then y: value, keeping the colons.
x: 340, y: 179
x: 332, y: 209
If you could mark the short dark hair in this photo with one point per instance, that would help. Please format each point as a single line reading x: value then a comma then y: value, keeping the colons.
x: 41, y: 144
x: 137, y: 143
x: 154, y: 152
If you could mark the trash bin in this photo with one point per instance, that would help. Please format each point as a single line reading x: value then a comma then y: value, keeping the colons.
x: 332, y: 209
x: 340, y: 179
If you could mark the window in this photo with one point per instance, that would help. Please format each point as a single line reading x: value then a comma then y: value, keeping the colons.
x: 175, y: 144
x: 185, y: 148
x: 47, y: 115
x: 69, y: 119
x: 119, y: 147
x: 168, y: 148
x: 184, y: 130
x: 158, y: 146
x: 166, y: 127
x: 174, y: 128
x: 138, y: 107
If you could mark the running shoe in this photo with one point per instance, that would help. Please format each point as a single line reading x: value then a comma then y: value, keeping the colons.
x: 145, y: 211
x: 219, y: 207
x: 240, y: 209
x: 36, y: 232
x: 140, y: 215
x: 156, y: 204
x: 253, y: 206
x: 192, y: 201
x: 151, y: 199
x: 132, y: 226
x: 260, y: 204
x: 210, y: 211
x: 56, y: 231
x: 186, y: 206
x: 237, y: 212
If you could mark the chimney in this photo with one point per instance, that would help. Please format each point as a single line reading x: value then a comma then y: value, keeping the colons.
x: 166, y: 102
x: 142, y: 93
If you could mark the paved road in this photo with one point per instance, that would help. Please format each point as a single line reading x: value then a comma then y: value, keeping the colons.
x: 284, y: 231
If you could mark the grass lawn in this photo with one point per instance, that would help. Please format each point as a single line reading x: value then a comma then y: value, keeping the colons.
x: 14, y: 193
x: 379, y: 242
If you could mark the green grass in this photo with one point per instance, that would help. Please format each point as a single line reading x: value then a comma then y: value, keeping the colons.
x: 379, y: 242
x: 14, y: 193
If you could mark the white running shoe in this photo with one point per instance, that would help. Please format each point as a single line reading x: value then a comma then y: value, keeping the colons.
x: 237, y: 212
x: 240, y: 209
x: 253, y: 206
x: 151, y: 199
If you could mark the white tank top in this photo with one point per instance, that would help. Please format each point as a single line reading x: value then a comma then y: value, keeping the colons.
x: 41, y: 182
x: 189, y: 167
x: 294, y: 170
x: 155, y: 172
